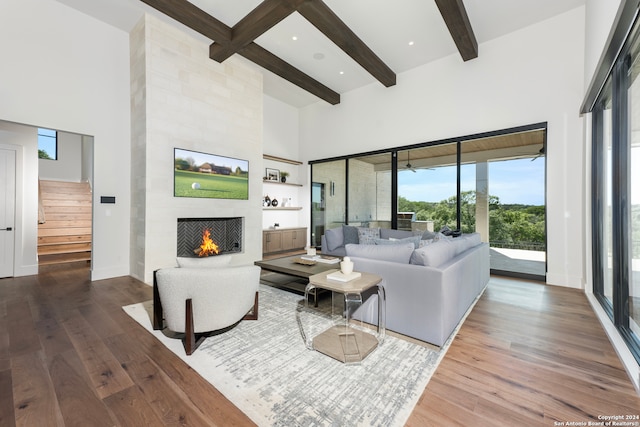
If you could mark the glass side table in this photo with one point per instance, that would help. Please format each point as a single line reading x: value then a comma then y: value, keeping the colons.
x: 340, y: 336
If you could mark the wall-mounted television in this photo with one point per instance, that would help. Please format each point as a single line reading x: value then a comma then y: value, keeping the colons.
x: 209, y: 176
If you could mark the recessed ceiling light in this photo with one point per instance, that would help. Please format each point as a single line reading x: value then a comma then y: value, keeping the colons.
x: 294, y: 38
x: 318, y: 56
x: 341, y: 72
x: 411, y: 43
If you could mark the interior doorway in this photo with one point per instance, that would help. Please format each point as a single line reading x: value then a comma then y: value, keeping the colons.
x: 73, y: 163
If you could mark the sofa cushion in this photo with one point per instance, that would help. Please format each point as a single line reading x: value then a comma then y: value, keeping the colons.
x: 350, y: 234
x: 434, y: 254
x: 415, y: 240
x: 400, y: 253
x: 204, y: 262
x: 334, y: 238
x: 367, y: 236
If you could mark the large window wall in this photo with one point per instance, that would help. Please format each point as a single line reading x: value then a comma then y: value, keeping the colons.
x: 444, y: 184
x: 616, y: 190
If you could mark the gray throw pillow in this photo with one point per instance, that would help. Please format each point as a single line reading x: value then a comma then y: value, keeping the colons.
x: 415, y: 240
x: 429, y: 235
x: 367, y: 236
x: 350, y: 234
x: 334, y: 238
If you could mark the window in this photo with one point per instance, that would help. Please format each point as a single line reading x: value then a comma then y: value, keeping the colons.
x: 47, y: 144
x: 616, y: 193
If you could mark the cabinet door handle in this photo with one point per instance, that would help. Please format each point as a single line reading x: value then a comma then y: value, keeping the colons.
x: 6, y: 229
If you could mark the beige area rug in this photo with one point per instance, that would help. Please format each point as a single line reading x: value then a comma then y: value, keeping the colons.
x: 264, y: 368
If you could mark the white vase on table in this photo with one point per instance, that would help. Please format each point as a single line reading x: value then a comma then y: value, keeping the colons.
x: 346, y: 266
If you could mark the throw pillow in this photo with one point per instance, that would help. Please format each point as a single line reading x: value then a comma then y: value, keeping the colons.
x: 334, y: 238
x: 205, y: 262
x: 367, y: 236
x: 350, y: 234
x: 391, y: 241
x: 429, y: 235
x: 424, y: 243
x: 400, y: 253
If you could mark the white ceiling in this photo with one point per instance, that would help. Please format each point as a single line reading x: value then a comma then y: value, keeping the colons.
x: 386, y: 26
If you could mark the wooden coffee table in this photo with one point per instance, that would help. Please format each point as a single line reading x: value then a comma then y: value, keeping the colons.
x: 287, y: 265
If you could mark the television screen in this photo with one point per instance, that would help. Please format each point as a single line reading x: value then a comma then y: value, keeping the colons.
x: 209, y: 176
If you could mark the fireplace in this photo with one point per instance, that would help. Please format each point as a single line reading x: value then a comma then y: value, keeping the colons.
x: 226, y: 233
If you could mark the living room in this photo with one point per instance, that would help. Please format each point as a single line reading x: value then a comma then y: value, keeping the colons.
x: 534, y: 74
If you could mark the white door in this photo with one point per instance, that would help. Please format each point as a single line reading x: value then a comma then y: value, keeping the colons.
x: 7, y: 210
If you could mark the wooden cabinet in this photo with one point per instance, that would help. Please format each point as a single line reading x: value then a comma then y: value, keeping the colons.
x: 285, y: 239
x: 294, y: 239
x: 271, y: 241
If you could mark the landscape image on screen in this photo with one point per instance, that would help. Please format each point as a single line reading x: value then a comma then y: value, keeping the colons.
x: 209, y: 176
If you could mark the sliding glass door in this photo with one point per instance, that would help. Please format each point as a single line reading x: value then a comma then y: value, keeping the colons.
x: 633, y: 207
x: 616, y: 193
x: 455, y: 183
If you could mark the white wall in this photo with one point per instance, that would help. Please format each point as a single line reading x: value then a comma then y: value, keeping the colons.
x: 68, y: 165
x: 599, y: 18
x: 183, y: 99
x: 529, y: 76
x: 64, y: 70
x: 281, y: 134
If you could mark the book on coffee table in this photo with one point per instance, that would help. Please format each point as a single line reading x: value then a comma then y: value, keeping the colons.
x: 328, y: 259
x: 341, y: 277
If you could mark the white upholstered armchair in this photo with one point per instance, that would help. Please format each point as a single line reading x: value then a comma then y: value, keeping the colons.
x: 200, y: 300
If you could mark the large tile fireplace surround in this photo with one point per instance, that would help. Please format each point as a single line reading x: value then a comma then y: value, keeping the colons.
x: 225, y: 232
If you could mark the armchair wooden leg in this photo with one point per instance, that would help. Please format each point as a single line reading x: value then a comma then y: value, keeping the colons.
x: 189, y: 334
x: 157, y: 305
x: 253, y: 314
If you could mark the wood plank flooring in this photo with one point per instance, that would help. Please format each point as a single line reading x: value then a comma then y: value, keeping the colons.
x: 527, y: 355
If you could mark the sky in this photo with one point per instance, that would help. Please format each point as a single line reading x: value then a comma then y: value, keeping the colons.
x: 201, y: 158
x: 513, y: 182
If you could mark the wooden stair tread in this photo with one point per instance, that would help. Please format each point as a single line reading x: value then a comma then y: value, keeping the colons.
x: 64, y: 231
x: 63, y: 258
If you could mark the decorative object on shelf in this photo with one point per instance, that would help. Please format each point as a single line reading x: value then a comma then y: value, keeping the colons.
x: 274, y: 203
x: 266, y: 202
x: 272, y: 174
x: 283, y: 176
x: 285, y: 202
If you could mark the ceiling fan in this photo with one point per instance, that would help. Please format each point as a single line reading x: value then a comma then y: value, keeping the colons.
x: 408, y: 165
x: 540, y: 153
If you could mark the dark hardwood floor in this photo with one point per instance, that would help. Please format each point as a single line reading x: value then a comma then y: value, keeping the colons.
x: 527, y: 355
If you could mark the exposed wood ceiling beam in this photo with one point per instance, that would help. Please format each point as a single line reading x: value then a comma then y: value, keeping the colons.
x: 193, y: 17
x: 269, y: 61
x: 455, y: 16
x: 323, y: 18
x: 257, y: 22
x: 205, y: 24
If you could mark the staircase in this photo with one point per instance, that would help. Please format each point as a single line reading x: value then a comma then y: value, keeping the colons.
x: 64, y: 222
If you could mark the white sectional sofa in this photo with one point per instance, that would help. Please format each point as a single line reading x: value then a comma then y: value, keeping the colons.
x: 429, y: 289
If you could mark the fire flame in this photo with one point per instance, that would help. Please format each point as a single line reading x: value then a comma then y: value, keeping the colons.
x: 208, y: 247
